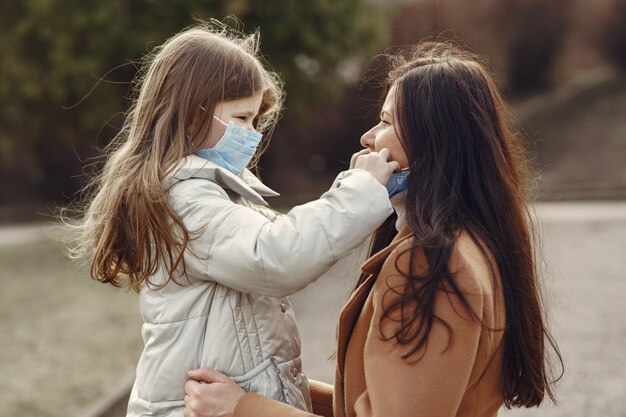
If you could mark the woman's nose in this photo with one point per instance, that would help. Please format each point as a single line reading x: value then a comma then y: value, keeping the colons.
x: 367, y: 140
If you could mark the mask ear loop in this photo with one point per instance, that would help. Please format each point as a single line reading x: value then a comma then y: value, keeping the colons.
x: 220, y: 120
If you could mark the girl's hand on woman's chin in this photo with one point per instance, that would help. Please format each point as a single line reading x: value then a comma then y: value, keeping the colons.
x: 209, y: 393
x: 377, y: 164
x: 356, y: 155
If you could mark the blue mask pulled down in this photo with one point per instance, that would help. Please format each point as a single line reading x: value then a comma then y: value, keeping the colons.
x: 235, y: 149
x: 398, y: 182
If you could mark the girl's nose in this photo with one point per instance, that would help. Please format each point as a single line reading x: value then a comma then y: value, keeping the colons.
x: 367, y: 140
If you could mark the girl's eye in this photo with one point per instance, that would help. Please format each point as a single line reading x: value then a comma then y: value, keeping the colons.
x: 384, y: 122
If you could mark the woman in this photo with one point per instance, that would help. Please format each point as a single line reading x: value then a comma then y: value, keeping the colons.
x: 446, y: 319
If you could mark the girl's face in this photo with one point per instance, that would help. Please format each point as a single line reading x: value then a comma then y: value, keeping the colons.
x: 242, y: 111
x: 383, y: 135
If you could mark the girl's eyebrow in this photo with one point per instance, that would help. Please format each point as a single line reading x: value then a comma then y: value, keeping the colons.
x: 245, y: 113
x: 384, y: 113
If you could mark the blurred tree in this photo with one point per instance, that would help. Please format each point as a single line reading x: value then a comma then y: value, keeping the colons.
x: 609, y: 32
x: 521, y: 38
x: 55, y: 51
x: 535, y: 31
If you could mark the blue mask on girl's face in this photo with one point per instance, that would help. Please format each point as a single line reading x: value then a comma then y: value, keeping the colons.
x: 235, y: 149
x: 398, y: 182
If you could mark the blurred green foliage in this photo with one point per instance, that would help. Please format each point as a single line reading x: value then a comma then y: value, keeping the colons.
x: 67, y: 65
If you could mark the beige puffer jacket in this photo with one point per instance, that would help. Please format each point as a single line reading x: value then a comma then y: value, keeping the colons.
x: 233, y: 314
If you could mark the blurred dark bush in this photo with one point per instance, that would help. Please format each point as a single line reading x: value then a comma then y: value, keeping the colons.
x: 521, y: 38
x: 55, y: 51
x: 609, y: 31
x: 536, y: 31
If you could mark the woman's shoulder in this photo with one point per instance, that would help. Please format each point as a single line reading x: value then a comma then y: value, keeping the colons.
x: 471, y: 264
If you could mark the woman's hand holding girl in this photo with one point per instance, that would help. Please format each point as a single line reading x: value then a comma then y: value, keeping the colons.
x: 209, y: 393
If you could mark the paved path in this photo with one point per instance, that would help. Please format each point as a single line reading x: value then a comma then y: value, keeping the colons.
x: 23, y: 234
x: 48, y: 334
x: 581, y: 144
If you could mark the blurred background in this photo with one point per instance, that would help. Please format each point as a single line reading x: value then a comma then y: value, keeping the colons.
x: 69, y: 345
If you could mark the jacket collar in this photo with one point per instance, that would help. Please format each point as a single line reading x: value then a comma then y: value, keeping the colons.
x: 373, y: 265
x: 246, y: 184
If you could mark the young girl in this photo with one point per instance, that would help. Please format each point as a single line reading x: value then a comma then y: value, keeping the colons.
x: 177, y: 217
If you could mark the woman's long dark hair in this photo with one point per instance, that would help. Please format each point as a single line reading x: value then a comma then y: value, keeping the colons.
x: 467, y: 172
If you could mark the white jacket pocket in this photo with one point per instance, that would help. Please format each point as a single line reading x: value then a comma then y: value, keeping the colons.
x: 263, y: 379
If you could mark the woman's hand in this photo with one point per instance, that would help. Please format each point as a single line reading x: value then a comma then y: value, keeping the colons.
x: 209, y: 393
x: 376, y: 163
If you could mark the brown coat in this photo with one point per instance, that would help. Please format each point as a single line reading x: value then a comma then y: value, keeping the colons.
x: 461, y: 376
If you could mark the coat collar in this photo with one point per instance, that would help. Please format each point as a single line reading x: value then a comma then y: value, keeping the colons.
x: 246, y: 184
x: 373, y: 265
x: 352, y: 310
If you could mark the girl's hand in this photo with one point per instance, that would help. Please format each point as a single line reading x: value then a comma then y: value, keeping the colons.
x: 376, y: 163
x: 356, y: 155
x: 209, y: 393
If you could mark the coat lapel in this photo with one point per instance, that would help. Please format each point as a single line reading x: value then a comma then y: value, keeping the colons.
x: 348, y: 317
x: 373, y: 265
x: 351, y: 311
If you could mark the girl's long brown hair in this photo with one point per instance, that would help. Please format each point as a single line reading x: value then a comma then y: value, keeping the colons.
x: 468, y: 172
x: 128, y: 227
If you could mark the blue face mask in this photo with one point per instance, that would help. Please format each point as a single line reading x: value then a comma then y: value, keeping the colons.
x: 235, y: 149
x: 398, y: 182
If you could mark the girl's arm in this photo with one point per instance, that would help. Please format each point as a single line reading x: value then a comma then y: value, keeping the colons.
x: 242, y: 249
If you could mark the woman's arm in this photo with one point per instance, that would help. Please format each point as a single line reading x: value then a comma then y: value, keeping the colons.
x: 254, y: 405
x: 211, y: 394
x: 321, y: 398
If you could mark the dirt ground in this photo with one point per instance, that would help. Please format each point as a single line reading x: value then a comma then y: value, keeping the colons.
x: 67, y: 341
